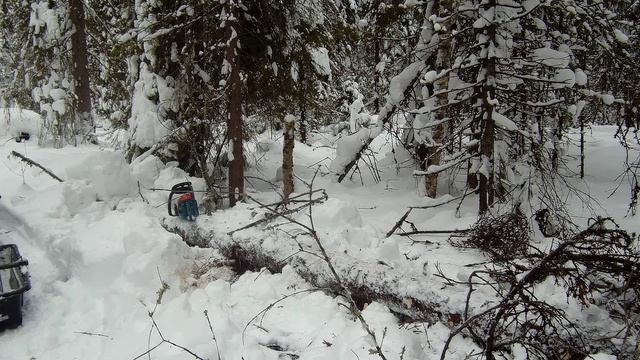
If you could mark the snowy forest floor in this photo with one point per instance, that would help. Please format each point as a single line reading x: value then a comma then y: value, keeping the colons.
x: 99, y: 256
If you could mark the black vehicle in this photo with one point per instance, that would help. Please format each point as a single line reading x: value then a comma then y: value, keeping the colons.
x: 14, y: 282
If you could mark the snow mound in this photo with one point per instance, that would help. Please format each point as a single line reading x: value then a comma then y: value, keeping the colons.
x: 108, y: 172
x: 170, y: 176
x: 77, y: 195
x: 601, y: 356
x: 345, y: 226
x: 147, y: 170
x: 337, y: 213
x: 14, y: 121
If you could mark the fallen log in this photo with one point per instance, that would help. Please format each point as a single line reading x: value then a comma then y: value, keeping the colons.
x: 384, y: 118
x: 412, y: 297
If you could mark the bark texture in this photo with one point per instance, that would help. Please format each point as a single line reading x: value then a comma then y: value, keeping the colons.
x: 442, y: 99
x: 85, y: 126
x: 287, y: 155
x: 486, y: 186
x: 234, y: 120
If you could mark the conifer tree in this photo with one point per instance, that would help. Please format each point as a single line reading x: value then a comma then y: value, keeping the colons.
x: 492, y: 87
x: 53, y: 87
x: 16, y: 66
x: 202, y: 70
x: 45, y: 43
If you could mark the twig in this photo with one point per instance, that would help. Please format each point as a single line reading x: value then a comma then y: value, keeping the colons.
x: 354, y: 353
x: 163, y: 288
x: 92, y: 334
x: 423, y: 241
x: 33, y: 163
x: 140, y: 193
x: 213, y: 335
x: 444, y: 202
x: 345, y: 291
x: 148, y: 351
x: 154, y: 326
x: 399, y: 223
x: 295, y: 197
x: 269, y: 217
x: 270, y: 306
x: 419, y: 232
x: 195, y: 191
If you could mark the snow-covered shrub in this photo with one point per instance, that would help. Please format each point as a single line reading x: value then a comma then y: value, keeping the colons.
x: 147, y: 171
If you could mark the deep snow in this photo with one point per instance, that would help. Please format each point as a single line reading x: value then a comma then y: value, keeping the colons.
x: 98, y: 255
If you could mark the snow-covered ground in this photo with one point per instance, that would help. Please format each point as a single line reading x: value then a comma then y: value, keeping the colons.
x: 99, y: 256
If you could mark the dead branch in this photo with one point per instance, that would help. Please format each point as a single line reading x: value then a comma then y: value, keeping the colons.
x: 499, y: 236
x: 213, y: 334
x: 265, y: 310
x: 274, y: 215
x: 444, y: 202
x: 345, y: 291
x: 93, y: 334
x: 599, y: 265
x: 426, y: 232
x: 154, y: 326
x: 296, y: 198
x: 399, y: 223
x: 404, y: 217
x: 33, y: 163
x: 140, y: 193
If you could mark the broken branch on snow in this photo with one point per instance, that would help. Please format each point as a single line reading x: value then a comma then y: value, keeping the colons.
x: 33, y: 163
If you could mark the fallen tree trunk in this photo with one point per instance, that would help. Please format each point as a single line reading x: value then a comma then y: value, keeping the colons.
x: 414, y: 72
x: 409, y: 296
x: 389, y: 110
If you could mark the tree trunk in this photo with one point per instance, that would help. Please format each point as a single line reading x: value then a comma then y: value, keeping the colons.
x: 287, y: 155
x: 442, y: 99
x: 377, y: 76
x: 85, y: 126
x: 581, y: 119
x: 302, y: 125
x: 486, y: 151
x: 557, y: 139
x: 234, y: 120
x: 486, y: 187
x: 476, y: 123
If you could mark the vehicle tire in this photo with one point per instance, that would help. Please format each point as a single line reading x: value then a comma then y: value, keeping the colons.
x: 15, y: 319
